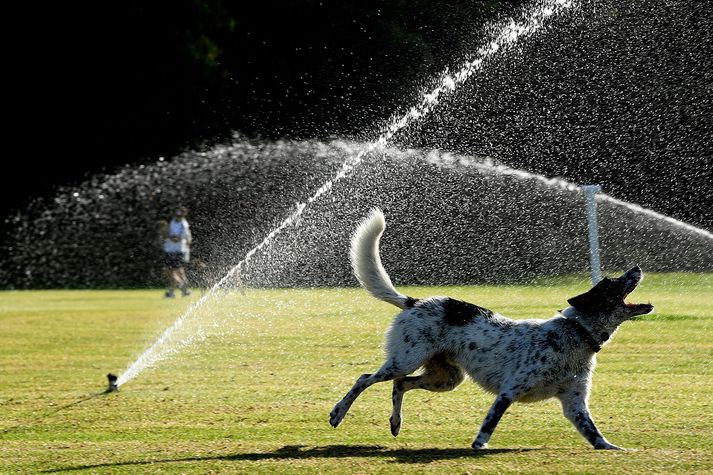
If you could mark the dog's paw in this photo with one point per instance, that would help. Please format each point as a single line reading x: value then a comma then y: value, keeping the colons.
x: 395, y: 426
x: 478, y: 446
x: 336, y: 416
x: 607, y: 446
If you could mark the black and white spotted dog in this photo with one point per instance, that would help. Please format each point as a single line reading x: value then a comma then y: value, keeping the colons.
x: 523, y: 360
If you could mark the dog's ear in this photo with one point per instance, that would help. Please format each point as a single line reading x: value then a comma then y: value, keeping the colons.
x: 585, y: 303
x: 595, y: 299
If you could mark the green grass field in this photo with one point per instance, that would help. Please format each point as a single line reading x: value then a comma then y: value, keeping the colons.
x: 253, y: 396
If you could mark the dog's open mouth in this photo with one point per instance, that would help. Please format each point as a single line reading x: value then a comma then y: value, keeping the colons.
x: 626, y: 294
x: 633, y: 278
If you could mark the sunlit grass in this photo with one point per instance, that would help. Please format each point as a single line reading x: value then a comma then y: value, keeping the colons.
x: 253, y: 396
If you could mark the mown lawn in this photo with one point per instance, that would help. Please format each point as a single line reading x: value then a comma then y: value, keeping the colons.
x: 252, y: 394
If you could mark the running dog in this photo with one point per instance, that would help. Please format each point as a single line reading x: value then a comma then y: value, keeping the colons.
x: 518, y: 360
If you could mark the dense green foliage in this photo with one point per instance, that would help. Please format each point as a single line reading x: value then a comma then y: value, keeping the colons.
x: 207, y: 67
x: 107, y: 83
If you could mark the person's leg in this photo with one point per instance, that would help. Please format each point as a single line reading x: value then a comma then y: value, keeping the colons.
x: 183, y: 281
x: 173, y: 273
x: 171, y: 285
x: 168, y: 272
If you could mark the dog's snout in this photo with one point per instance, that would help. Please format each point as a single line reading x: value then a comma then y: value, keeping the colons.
x: 635, y: 272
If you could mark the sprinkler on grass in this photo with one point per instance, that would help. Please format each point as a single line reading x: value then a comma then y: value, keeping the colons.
x: 112, y: 383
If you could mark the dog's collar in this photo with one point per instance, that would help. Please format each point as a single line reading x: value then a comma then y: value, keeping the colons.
x: 583, y: 333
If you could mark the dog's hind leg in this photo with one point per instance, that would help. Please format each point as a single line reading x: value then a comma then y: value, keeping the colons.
x: 364, y: 381
x: 392, y: 369
x: 575, y: 408
x: 401, y: 385
x: 440, y: 375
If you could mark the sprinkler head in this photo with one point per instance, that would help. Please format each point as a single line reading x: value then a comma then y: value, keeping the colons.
x: 112, y: 383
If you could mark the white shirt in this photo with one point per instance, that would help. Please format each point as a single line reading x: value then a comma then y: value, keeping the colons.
x: 181, y: 230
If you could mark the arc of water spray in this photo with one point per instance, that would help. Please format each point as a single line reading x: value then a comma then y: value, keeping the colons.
x: 489, y: 166
x: 504, y: 38
x: 662, y: 217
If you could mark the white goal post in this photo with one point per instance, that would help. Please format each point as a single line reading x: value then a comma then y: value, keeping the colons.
x: 590, y: 192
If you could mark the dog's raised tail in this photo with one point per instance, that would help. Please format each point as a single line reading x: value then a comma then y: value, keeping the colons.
x: 366, y: 262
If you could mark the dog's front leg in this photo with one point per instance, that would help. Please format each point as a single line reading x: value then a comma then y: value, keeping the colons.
x: 491, y: 421
x: 575, y: 409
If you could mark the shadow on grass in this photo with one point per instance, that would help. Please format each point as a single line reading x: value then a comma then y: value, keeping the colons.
x: 52, y: 412
x: 301, y: 452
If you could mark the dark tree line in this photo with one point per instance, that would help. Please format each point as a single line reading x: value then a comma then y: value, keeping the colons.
x: 100, y: 84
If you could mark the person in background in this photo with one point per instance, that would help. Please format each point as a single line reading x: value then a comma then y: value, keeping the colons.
x: 176, y: 248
